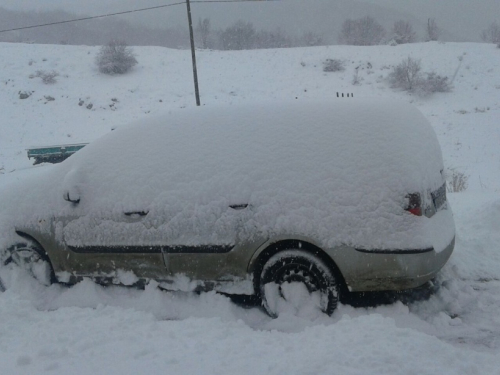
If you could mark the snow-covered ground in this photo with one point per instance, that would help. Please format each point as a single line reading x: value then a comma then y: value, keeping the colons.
x: 90, y: 329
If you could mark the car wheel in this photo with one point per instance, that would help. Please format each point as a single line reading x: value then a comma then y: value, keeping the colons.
x: 34, y: 261
x: 297, y: 282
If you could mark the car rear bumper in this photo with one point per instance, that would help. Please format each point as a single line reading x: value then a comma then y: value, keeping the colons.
x: 385, y: 270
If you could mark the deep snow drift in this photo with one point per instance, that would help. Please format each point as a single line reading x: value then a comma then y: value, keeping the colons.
x: 90, y: 329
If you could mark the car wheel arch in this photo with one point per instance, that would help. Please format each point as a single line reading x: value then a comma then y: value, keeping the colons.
x: 270, y: 249
x: 31, y: 243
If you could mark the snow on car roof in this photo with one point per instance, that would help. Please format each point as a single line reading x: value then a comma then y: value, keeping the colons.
x: 337, y: 171
x: 347, y: 139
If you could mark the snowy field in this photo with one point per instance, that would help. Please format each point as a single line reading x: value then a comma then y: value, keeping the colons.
x: 89, y: 329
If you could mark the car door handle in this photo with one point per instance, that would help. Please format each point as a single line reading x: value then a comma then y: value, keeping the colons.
x: 136, y: 213
x: 239, y: 206
x: 67, y: 198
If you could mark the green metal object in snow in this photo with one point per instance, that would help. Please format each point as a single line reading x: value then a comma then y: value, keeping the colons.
x: 53, y: 154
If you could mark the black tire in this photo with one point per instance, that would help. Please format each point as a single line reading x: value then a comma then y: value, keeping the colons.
x: 33, y: 259
x: 297, y: 267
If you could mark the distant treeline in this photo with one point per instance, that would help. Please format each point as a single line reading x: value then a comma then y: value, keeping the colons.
x: 240, y: 35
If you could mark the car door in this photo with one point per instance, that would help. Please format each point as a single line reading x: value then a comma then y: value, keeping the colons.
x: 150, y: 233
x: 214, y: 248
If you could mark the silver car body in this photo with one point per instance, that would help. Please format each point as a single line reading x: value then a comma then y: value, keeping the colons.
x: 339, y: 193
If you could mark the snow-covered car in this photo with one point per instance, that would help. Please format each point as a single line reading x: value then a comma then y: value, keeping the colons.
x: 294, y: 202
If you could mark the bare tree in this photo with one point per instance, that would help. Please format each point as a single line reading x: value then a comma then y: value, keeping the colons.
x: 311, y: 39
x: 272, y: 39
x: 492, y: 33
x: 432, y: 31
x: 403, y: 32
x: 203, y: 31
x: 361, y: 32
x: 241, y: 35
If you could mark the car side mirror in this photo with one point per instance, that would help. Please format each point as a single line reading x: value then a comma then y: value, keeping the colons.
x: 67, y: 197
x: 71, y: 186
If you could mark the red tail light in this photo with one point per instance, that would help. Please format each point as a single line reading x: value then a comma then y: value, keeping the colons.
x: 414, y: 204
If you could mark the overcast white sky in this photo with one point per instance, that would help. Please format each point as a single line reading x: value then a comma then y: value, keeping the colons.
x: 464, y: 18
x: 86, y: 6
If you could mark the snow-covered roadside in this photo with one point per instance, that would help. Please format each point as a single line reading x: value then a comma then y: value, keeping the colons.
x: 115, y: 340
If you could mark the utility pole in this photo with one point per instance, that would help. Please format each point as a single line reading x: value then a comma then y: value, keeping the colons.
x: 193, y: 54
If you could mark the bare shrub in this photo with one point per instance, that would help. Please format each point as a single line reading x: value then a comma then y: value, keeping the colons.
x: 492, y: 34
x: 361, y: 32
x: 333, y: 65
x: 355, y: 78
x: 481, y: 109
x: 435, y: 83
x: 406, y: 75
x: 115, y: 58
x: 456, y: 181
x: 48, y: 78
x: 403, y: 32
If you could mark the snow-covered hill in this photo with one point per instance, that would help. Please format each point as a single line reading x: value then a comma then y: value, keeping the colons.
x: 89, y: 329
x: 84, y: 104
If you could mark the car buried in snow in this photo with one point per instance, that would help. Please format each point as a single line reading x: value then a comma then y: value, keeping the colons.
x: 292, y: 202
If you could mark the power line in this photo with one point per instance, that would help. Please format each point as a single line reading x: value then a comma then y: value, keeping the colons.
x: 126, y: 12
x: 91, y: 17
x: 187, y: 2
x: 229, y: 1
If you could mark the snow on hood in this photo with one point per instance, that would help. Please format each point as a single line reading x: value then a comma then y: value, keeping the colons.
x: 335, y: 171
